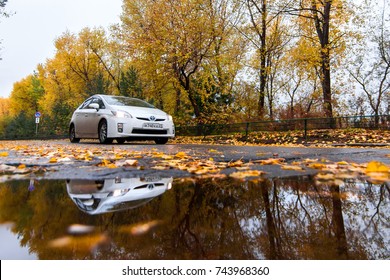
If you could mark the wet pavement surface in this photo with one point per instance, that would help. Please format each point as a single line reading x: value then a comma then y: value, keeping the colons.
x: 141, y: 201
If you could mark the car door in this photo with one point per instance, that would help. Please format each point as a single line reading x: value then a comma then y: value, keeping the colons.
x: 80, y: 119
x: 93, y: 116
x: 87, y: 119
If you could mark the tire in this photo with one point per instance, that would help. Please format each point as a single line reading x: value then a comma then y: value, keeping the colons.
x: 72, y: 134
x: 102, y: 133
x: 121, y: 140
x: 161, y: 141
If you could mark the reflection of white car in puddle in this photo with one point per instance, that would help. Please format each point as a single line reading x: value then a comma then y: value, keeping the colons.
x: 109, y: 195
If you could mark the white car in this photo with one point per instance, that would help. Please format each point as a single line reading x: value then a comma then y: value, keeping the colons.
x: 109, y: 117
x: 109, y: 195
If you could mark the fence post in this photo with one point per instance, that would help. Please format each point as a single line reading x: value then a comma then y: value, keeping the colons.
x: 246, y: 131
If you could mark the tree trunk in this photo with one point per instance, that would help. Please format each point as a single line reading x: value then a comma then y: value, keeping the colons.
x: 322, y: 24
x: 338, y: 224
x: 263, y: 68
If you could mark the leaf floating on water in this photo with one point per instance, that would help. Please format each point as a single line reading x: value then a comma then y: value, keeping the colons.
x: 139, y: 229
x: 325, y: 176
x: 77, y: 229
x: 79, y: 243
x: 5, y: 167
x: 377, y: 166
x: 60, y: 242
x: 3, y: 154
x: 53, y: 160
x: 378, y: 171
x: 246, y: 174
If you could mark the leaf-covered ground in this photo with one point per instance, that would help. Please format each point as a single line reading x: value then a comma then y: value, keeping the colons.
x: 21, y: 159
x: 318, y: 138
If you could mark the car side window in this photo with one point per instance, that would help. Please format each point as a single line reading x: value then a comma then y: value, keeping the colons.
x: 100, y: 102
x: 86, y: 103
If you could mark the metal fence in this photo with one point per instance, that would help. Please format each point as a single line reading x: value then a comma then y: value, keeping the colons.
x: 368, y: 122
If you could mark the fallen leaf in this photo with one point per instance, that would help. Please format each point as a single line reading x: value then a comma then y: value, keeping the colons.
x: 181, y: 155
x: 376, y: 166
x: 141, y: 228
x: 77, y: 229
x: 245, y: 174
x: 131, y: 162
x: 292, y: 167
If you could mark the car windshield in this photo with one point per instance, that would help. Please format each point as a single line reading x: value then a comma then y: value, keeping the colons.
x: 127, y: 101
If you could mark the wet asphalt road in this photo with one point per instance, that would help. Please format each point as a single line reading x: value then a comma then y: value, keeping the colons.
x: 225, y: 153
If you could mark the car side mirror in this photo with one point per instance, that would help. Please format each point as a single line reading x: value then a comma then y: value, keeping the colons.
x: 94, y: 106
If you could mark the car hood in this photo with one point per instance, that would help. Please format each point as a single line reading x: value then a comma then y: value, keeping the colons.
x: 141, y: 111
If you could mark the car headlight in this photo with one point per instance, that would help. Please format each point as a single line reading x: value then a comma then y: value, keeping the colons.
x: 118, y: 192
x: 170, y: 118
x: 121, y: 114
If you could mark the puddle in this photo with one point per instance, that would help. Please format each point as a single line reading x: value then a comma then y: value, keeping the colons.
x: 210, y: 218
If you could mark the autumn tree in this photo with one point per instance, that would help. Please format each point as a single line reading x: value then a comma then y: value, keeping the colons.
x: 372, y: 63
x: 324, y: 26
x: 264, y: 31
x: 22, y: 105
x: 84, y: 64
x: 299, y: 81
x: 183, y: 48
x: 25, y: 96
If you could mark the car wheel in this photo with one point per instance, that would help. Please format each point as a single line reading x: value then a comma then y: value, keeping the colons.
x: 72, y: 135
x: 161, y: 141
x: 102, y: 131
x: 121, y: 140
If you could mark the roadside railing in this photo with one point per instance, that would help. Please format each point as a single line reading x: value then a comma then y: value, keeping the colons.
x: 305, y: 124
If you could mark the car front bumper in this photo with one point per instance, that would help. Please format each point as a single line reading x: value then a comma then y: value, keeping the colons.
x: 134, y: 128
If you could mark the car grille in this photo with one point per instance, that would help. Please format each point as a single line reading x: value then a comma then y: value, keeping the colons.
x: 147, y: 119
x: 149, y: 131
x: 149, y: 186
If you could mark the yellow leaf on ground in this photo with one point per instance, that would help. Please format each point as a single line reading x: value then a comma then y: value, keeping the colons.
x: 4, y: 154
x: 131, y: 162
x: 317, y: 166
x: 181, y: 155
x: 271, y: 161
x: 53, y: 160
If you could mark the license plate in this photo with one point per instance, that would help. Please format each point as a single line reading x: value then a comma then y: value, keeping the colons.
x: 152, y: 125
x: 151, y: 179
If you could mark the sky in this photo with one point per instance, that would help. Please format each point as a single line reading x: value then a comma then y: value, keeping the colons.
x: 28, y: 35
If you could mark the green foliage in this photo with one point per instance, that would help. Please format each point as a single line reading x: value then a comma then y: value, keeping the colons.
x: 130, y: 83
x: 21, y: 126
